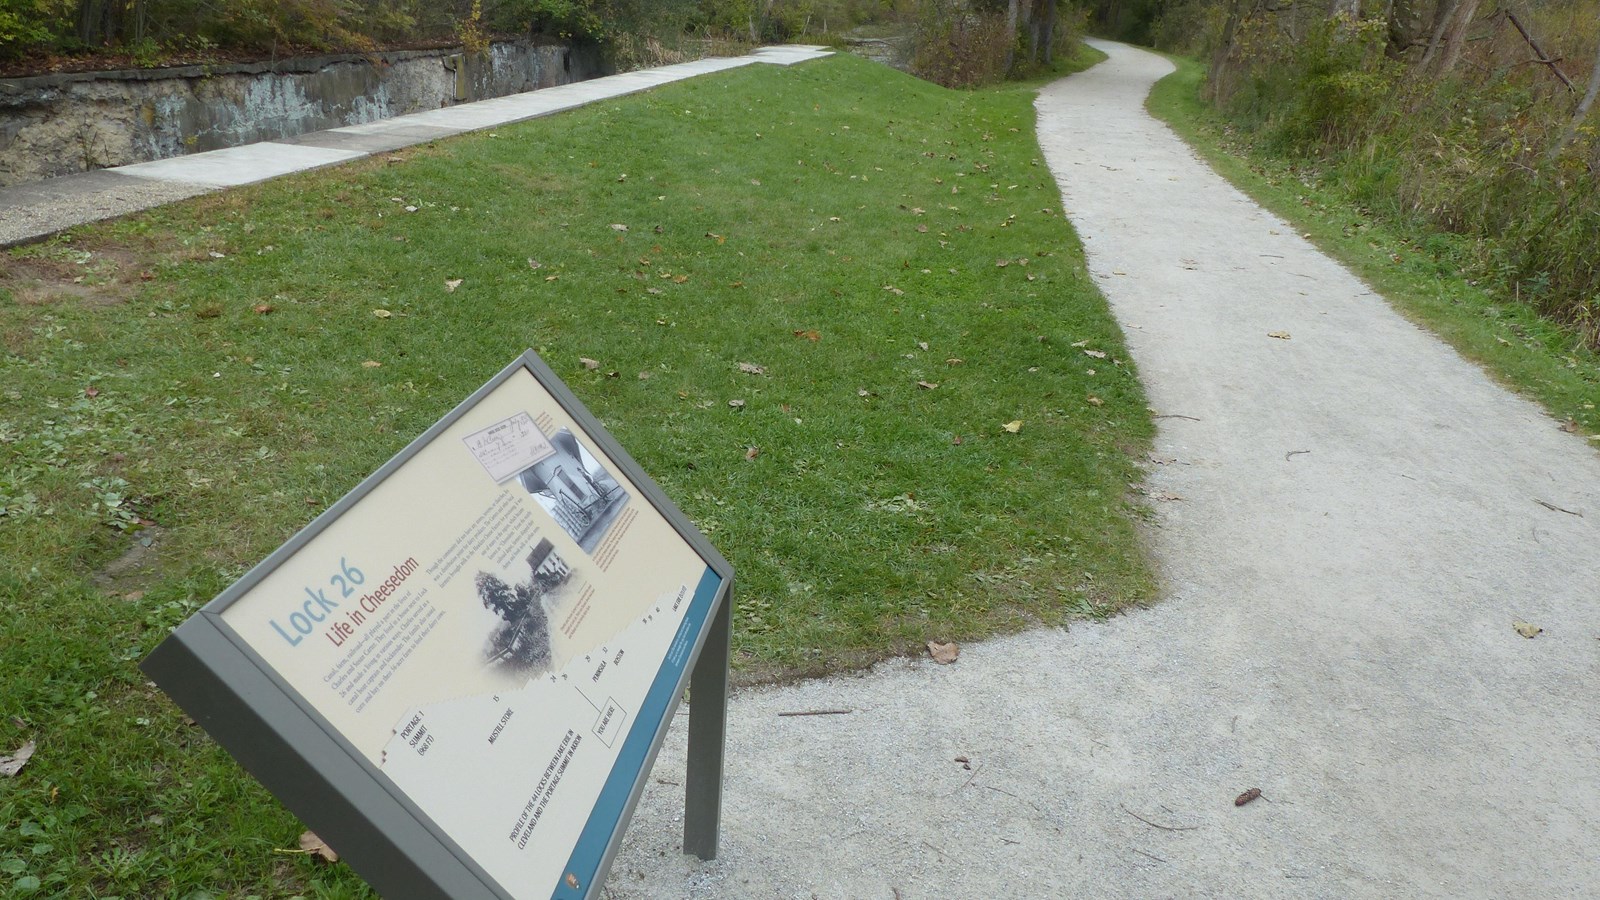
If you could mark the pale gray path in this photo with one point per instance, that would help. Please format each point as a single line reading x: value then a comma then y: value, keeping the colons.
x: 33, y: 211
x: 1336, y: 631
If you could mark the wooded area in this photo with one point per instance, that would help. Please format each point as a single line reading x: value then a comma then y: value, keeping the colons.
x: 152, y: 30
x: 1474, y: 118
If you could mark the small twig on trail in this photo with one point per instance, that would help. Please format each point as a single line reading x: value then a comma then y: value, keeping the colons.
x: 1175, y: 416
x: 1002, y: 791
x: 817, y: 712
x: 1273, y: 255
x: 1293, y: 453
x: 291, y: 851
x: 1552, y: 506
x: 934, y: 849
x: 1009, y: 841
x: 1234, y: 727
x: 1158, y: 824
x: 1151, y: 855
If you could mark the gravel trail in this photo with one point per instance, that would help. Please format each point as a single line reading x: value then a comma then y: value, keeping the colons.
x: 1362, y: 519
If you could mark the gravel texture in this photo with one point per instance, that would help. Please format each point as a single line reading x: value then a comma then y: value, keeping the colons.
x: 1360, y: 525
x: 29, y: 212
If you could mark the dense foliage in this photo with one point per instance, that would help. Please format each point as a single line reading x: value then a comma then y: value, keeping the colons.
x: 1467, y: 118
x: 153, y: 30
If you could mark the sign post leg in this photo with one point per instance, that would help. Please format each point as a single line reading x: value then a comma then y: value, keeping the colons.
x: 708, y: 714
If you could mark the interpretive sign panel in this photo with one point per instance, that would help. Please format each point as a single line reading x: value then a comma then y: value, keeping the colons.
x: 459, y: 675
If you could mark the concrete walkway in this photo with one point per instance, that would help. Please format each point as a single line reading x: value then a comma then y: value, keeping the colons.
x: 32, y: 211
x: 1362, y: 520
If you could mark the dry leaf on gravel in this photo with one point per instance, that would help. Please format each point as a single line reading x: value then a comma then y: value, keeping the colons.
x: 1247, y: 796
x: 310, y: 843
x: 1280, y: 335
x: 944, y: 654
x: 1527, y: 629
x: 1570, y: 426
x: 11, y: 765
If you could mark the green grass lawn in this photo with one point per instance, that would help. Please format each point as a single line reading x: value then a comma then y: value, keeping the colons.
x: 183, y: 390
x: 1409, y: 265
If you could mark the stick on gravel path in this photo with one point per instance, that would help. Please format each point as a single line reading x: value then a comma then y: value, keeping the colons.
x: 1337, y: 629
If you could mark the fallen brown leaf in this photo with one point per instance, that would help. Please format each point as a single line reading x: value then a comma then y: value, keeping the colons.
x: 752, y: 452
x: 811, y: 335
x: 736, y: 404
x: 310, y: 843
x: 752, y: 369
x: 1097, y: 354
x: 11, y: 765
x: 371, y: 364
x: 927, y: 385
x: 1570, y: 426
x: 1247, y: 796
x: 944, y: 654
x: 618, y: 226
x: 1096, y: 401
x: 451, y: 284
x: 91, y: 392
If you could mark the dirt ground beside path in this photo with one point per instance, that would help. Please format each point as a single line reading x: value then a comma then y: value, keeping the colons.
x: 1361, y: 520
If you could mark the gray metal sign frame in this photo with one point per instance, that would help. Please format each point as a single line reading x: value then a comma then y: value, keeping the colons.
x: 252, y: 711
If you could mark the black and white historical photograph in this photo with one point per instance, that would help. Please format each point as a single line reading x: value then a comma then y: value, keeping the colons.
x: 520, y: 641
x: 575, y: 490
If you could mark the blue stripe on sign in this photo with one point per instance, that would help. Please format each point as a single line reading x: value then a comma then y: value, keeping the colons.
x: 603, y: 819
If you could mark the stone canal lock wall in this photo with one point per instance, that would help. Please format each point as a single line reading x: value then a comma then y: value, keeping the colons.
x: 61, y: 124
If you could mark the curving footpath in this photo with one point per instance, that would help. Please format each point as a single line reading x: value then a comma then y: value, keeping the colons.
x: 1361, y: 521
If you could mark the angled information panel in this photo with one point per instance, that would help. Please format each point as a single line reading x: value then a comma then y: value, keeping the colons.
x: 459, y: 675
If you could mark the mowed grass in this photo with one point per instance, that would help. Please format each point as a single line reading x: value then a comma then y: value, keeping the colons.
x: 1418, y: 270
x: 183, y: 390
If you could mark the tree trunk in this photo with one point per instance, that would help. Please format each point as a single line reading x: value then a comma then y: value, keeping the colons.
x: 1011, y: 32
x: 1048, y: 29
x: 1582, y: 112
x: 1441, y: 19
x: 1216, y: 80
x: 1455, y: 36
